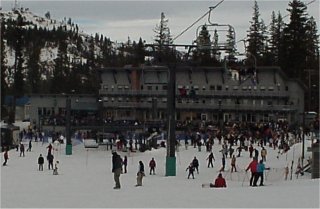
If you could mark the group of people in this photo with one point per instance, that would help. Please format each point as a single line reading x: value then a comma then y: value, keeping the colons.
x: 40, y: 160
x: 118, y: 165
x: 257, y: 171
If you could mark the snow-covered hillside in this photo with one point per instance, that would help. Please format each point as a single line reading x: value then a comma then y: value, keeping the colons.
x: 49, y: 51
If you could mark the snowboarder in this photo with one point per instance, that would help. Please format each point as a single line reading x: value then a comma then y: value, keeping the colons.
x: 210, y: 159
x: 40, y: 162
x: 219, y: 182
x: 191, y: 170
x: 6, y: 157
x: 195, y: 164
x: 116, y: 168
x: 140, y: 174
x: 253, y: 168
x: 152, y: 165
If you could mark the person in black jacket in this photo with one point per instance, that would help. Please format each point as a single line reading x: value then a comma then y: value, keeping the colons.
x: 140, y: 174
x: 116, y: 168
x: 195, y: 164
x: 40, y: 162
x: 50, y: 160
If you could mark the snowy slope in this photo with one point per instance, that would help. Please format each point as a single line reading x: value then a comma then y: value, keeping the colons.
x: 86, y: 181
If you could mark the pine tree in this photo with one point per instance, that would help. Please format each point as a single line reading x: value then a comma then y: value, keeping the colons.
x: 312, y: 65
x: 257, y: 35
x: 162, y: 39
x: 293, y: 47
x: 204, y: 46
x: 3, y: 67
x: 231, y: 42
x: 34, y: 74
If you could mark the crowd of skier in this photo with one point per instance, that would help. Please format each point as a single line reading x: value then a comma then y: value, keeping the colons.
x: 234, y: 140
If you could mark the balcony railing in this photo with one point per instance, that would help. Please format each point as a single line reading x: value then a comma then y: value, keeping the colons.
x: 198, y: 93
x: 198, y: 105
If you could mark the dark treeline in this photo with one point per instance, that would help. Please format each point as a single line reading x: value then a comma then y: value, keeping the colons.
x: 294, y: 46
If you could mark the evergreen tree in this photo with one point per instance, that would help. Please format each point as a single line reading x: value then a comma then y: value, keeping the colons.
x: 257, y: 35
x: 162, y: 39
x: 34, y: 74
x: 231, y: 42
x: 294, y: 47
x: 204, y: 45
x: 3, y: 67
x: 312, y: 65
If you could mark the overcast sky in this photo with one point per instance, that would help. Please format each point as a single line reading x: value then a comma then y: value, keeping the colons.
x: 119, y: 20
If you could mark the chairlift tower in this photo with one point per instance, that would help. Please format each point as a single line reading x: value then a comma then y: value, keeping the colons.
x: 171, y: 109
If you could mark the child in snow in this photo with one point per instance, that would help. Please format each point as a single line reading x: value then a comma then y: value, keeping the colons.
x: 55, y: 170
x: 191, y: 170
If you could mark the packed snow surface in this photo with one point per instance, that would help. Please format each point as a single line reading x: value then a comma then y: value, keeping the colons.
x: 85, y: 180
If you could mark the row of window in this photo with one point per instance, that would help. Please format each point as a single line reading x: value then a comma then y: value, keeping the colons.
x: 203, y: 101
x: 195, y: 87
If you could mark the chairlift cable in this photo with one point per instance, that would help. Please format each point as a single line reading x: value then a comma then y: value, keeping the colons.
x: 208, y: 12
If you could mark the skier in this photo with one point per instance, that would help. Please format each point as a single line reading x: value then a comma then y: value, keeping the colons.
x: 6, y: 157
x: 116, y: 168
x: 152, y: 165
x: 195, y: 164
x: 223, y: 163
x: 140, y: 174
x: 49, y: 147
x: 251, y: 150
x: 210, y: 158
x: 219, y: 182
x: 286, y: 172
x: 233, y: 164
x: 191, y: 170
x: 231, y: 150
x: 40, y: 162
x: 50, y: 161
x: 256, y: 153
x: 260, y: 171
x: 264, y: 154
x: 55, y: 170
x: 21, y: 149
x: 253, y: 168
x: 239, y: 151
x: 125, y: 163
x: 29, y: 146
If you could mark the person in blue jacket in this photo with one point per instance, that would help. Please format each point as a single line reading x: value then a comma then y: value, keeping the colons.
x: 260, y: 172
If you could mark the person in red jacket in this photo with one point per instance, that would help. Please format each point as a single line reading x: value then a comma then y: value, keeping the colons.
x: 253, y: 168
x: 219, y: 182
x: 152, y: 165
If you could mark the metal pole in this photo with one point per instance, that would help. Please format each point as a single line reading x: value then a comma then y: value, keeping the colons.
x: 68, y: 126
x: 303, y: 133
x: 171, y: 139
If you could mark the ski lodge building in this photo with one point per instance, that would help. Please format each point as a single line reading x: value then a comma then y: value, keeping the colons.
x: 202, y: 93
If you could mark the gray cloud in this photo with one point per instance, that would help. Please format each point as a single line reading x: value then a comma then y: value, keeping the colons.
x: 120, y: 19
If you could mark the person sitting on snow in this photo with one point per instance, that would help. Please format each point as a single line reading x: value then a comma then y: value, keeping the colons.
x: 219, y: 182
